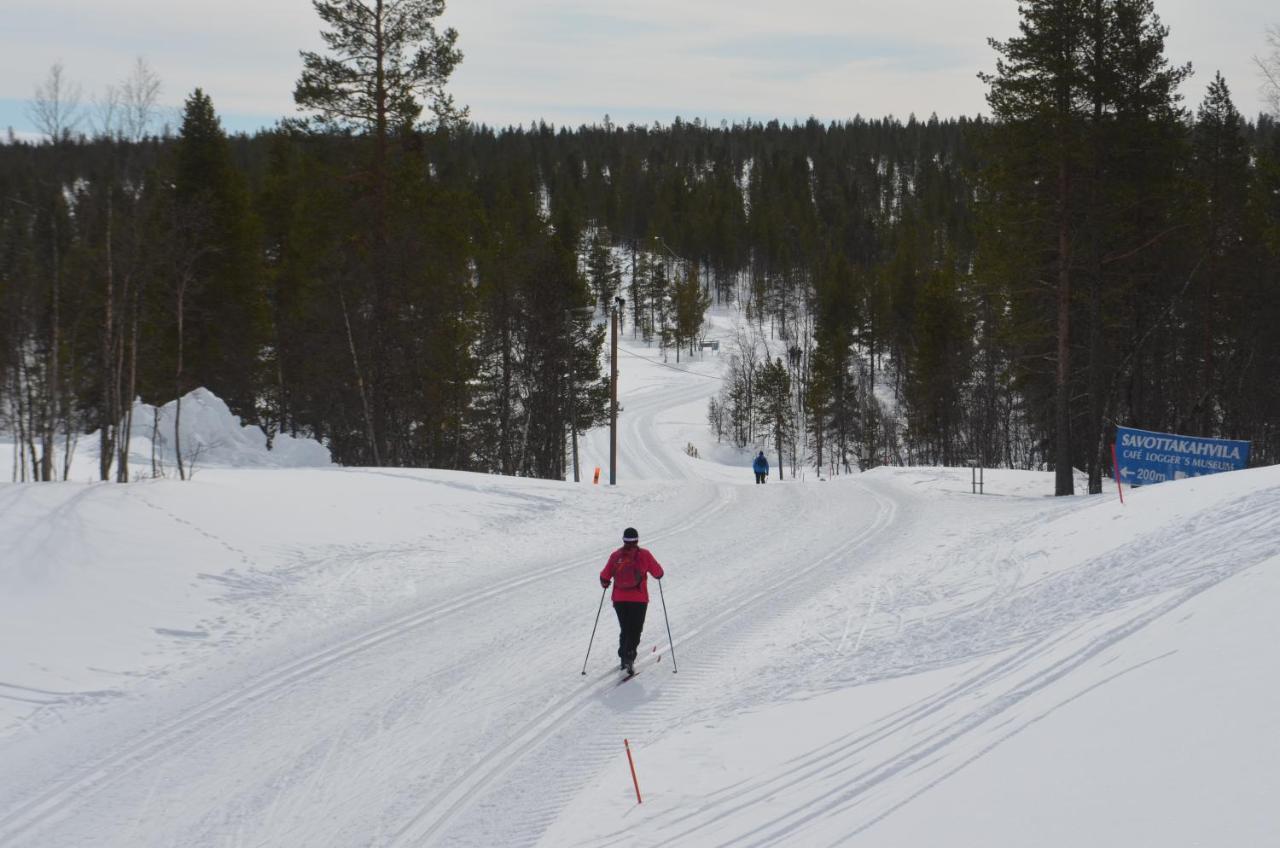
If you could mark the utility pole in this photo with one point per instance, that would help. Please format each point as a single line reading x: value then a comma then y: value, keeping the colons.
x: 575, y: 440
x: 618, y: 304
x: 583, y: 313
x: 573, y: 423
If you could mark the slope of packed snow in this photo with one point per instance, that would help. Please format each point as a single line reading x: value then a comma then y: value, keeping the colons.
x: 328, y: 656
x: 1084, y: 673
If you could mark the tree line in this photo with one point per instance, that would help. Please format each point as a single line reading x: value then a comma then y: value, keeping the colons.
x: 420, y: 290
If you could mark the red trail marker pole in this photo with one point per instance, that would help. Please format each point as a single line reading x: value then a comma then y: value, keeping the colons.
x: 1115, y: 471
x: 632, y: 763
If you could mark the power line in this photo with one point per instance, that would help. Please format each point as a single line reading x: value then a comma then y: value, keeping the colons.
x: 672, y: 367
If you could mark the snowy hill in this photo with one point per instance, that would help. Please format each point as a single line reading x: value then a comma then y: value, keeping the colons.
x: 327, y: 656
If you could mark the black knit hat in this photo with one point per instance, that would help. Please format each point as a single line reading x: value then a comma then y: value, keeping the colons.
x: 630, y: 535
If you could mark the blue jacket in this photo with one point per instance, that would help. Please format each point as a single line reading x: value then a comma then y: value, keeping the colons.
x: 761, y: 465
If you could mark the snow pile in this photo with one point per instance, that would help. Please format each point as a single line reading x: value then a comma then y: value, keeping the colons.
x: 212, y: 436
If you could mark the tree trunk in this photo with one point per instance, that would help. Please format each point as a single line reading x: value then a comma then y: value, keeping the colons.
x: 52, y: 389
x: 108, y: 415
x: 155, y: 439
x: 817, y: 440
x: 378, y: 388
x: 1094, y: 427
x: 504, y: 399
x: 364, y: 398
x: 1097, y: 390
x: 177, y: 384
x: 19, y: 449
x: 1063, y: 479
x: 126, y: 404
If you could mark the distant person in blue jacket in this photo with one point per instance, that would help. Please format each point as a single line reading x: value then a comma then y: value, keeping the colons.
x: 761, y: 467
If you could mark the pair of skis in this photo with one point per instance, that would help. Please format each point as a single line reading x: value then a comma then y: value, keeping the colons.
x: 633, y: 671
x: 670, y: 641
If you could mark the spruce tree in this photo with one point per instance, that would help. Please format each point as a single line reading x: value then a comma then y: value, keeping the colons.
x: 225, y: 314
x: 774, y: 414
x: 1222, y: 173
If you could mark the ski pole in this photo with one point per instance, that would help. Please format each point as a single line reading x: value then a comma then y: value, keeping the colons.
x: 593, y: 629
x: 663, y: 596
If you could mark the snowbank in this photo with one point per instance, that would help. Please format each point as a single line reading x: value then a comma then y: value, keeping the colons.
x: 210, y: 437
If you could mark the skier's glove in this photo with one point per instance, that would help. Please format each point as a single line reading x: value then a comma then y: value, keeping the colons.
x: 604, y: 584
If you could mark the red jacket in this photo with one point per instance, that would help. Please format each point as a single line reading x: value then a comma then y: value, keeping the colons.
x: 641, y: 566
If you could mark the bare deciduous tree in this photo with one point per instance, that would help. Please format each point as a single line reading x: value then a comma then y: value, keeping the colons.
x: 55, y: 108
x: 1269, y: 65
x: 127, y: 110
x: 139, y: 95
x: 105, y: 118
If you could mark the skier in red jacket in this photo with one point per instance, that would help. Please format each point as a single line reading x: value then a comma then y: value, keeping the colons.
x: 628, y: 569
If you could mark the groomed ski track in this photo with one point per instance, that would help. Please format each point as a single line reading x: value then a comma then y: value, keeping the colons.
x: 460, y: 717
x: 413, y: 727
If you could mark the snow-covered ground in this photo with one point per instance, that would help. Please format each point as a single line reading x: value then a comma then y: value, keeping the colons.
x: 328, y: 656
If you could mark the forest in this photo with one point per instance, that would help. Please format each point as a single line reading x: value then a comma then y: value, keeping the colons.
x: 431, y: 291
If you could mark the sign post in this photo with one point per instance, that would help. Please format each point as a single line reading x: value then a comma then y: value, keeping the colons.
x: 975, y: 476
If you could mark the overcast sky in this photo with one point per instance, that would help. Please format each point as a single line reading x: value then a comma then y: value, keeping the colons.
x: 573, y: 61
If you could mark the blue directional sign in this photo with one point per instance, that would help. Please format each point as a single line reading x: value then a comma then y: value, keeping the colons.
x: 1145, y: 457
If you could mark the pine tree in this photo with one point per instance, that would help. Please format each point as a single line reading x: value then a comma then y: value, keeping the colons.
x: 1135, y: 147
x: 602, y: 268
x: 387, y: 63
x: 1082, y: 157
x: 689, y: 305
x: 1036, y: 97
x: 774, y: 414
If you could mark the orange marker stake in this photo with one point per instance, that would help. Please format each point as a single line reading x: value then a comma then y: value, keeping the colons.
x: 596, y: 479
x: 633, y: 771
x: 1115, y: 471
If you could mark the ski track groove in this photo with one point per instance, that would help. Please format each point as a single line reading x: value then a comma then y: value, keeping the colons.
x: 50, y: 804
x: 425, y: 827
x: 839, y: 763
x: 1025, y: 637
x: 640, y: 431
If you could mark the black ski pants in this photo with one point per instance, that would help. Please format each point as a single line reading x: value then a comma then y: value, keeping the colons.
x: 761, y: 475
x: 630, y: 624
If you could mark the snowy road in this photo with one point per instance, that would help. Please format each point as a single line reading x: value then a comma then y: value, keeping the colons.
x: 403, y: 668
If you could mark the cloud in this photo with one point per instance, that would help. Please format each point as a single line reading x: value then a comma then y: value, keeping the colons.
x: 573, y: 60
x: 719, y: 59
